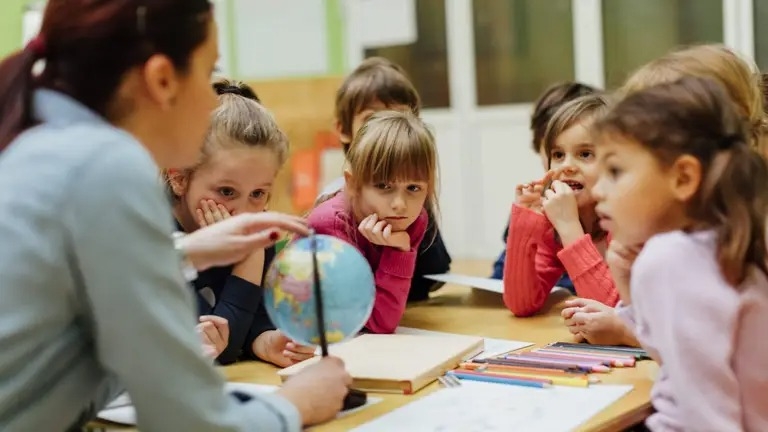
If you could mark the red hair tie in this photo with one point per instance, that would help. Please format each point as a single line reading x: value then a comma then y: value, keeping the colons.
x: 38, y: 46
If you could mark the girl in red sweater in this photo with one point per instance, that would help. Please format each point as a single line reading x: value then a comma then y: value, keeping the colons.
x: 390, y: 182
x: 553, y: 224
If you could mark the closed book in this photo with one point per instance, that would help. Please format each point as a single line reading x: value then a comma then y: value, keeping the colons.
x: 398, y: 363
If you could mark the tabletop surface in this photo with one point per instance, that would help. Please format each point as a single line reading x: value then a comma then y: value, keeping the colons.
x: 458, y: 309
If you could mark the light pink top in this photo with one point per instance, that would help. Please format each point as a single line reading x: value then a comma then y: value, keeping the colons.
x: 708, y: 337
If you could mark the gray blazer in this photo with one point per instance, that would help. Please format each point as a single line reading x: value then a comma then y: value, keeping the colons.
x: 92, y: 299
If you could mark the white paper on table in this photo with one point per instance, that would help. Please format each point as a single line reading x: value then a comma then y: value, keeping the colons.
x: 492, y: 347
x: 486, y: 407
x: 121, y: 411
x: 487, y: 284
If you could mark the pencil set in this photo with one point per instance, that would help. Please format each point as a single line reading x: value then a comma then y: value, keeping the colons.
x: 559, y: 363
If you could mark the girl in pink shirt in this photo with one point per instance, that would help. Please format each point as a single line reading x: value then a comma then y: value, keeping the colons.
x: 390, y: 182
x: 553, y: 226
x: 680, y: 184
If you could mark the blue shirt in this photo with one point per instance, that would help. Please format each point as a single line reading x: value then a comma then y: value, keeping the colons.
x: 93, y: 299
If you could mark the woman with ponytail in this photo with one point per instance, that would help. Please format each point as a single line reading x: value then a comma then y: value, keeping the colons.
x: 93, y: 297
x: 679, y: 178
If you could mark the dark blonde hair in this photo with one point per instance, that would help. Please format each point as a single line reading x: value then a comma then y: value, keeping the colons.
x: 739, y: 77
x: 553, y: 98
x: 394, y: 146
x: 240, y: 120
x: 588, y: 107
x: 375, y: 79
x: 695, y: 116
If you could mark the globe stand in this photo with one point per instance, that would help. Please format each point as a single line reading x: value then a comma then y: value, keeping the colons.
x: 354, y: 398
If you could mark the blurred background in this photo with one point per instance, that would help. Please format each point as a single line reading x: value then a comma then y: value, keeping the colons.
x: 478, y: 65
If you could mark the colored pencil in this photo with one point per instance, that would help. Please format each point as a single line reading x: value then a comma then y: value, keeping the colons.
x: 638, y: 353
x: 607, y: 361
x: 614, y: 360
x: 564, y: 380
x: 505, y: 362
x: 523, y: 369
x: 498, y: 380
x: 501, y: 375
x: 586, y: 366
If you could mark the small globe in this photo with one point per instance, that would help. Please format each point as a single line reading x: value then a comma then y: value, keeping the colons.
x: 347, y: 285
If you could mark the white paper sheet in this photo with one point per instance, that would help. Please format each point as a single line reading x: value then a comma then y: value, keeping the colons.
x: 487, y: 284
x: 121, y: 411
x: 485, y: 407
x: 493, y: 347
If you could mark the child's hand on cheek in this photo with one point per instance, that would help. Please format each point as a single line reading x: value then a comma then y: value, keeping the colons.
x: 560, y: 207
x: 273, y: 346
x: 209, y: 213
x: 529, y: 195
x: 380, y: 232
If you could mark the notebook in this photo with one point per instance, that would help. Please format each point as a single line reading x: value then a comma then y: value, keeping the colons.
x: 398, y: 363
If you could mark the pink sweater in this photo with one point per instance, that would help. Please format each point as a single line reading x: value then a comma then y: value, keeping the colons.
x: 392, y: 268
x: 535, y: 262
x: 707, y: 336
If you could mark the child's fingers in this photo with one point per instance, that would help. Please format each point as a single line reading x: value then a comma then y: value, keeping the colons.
x: 387, y: 232
x: 208, y: 213
x: 363, y: 223
x: 224, y: 212
x: 300, y: 349
x: 378, y: 229
x: 200, y: 218
x: 568, y: 312
x: 296, y: 357
x: 217, y: 216
x: 575, y: 302
x: 372, y: 221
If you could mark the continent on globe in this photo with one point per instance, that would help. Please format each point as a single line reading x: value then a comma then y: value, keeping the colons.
x: 347, y: 285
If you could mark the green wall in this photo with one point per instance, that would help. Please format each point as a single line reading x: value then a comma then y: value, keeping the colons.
x: 11, y: 12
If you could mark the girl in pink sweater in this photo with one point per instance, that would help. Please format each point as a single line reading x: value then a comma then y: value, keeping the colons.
x: 553, y: 226
x: 679, y: 183
x: 390, y: 182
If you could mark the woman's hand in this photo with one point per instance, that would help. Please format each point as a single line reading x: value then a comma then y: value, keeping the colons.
x: 232, y: 239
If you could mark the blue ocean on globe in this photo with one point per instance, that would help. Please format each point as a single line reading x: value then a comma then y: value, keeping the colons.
x: 347, y: 285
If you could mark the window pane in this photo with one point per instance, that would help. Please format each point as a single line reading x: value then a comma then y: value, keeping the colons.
x: 521, y: 48
x: 630, y: 41
x: 761, y: 33
x: 425, y: 60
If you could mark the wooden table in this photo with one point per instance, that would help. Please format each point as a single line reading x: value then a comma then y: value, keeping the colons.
x: 463, y: 310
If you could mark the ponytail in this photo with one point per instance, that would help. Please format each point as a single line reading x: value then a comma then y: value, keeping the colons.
x: 16, y: 83
x: 736, y: 203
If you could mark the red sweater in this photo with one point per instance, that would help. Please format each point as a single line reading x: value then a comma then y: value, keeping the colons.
x: 535, y: 262
x: 392, y: 268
